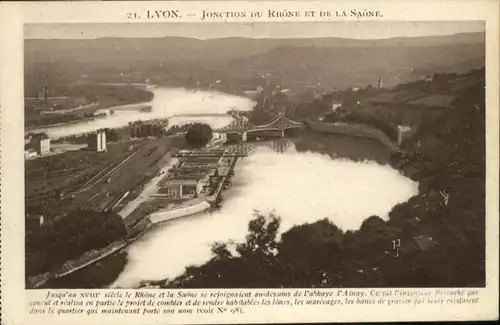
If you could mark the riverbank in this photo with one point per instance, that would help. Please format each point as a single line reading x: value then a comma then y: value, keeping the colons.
x: 135, y: 229
x: 336, y: 180
x: 444, y: 221
x: 190, y: 208
x: 179, y: 106
x: 39, y: 129
x: 193, y: 207
x: 231, y: 221
x: 86, y: 260
x: 95, y: 256
x: 355, y: 130
x: 72, y: 266
x: 103, y: 97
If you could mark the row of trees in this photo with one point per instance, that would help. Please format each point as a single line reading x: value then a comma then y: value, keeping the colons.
x: 140, y: 129
x: 311, y: 255
x: 174, y: 129
x: 137, y: 129
x: 437, y: 238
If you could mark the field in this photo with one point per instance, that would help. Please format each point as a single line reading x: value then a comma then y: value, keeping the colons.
x: 58, y: 184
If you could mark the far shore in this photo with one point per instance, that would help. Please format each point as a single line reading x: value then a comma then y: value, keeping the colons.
x: 128, y: 105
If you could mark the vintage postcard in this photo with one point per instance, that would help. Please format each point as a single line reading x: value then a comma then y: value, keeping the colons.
x: 252, y: 162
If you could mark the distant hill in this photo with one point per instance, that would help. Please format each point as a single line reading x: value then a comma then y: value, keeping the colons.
x: 159, y: 48
x: 336, y: 62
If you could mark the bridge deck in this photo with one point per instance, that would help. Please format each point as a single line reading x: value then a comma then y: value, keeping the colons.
x: 279, y: 123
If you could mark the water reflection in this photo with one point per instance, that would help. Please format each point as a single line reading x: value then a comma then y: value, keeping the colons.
x: 301, y: 184
x: 280, y: 146
x: 335, y: 146
x: 311, y: 177
x: 246, y: 148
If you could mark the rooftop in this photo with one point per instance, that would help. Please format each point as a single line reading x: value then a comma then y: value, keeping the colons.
x: 176, y: 181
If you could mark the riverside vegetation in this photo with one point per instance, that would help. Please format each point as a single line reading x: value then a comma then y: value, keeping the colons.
x: 444, y: 223
x: 437, y: 238
x: 102, y: 96
x: 79, y: 232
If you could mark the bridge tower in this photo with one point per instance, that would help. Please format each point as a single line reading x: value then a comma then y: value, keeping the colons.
x: 281, y: 123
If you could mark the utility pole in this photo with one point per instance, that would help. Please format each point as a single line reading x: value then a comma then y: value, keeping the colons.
x: 43, y: 92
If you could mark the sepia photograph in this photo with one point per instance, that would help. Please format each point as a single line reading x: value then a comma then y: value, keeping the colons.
x: 342, y: 154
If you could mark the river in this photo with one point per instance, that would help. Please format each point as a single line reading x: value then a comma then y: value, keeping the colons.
x: 300, y: 187
x: 177, y: 104
x: 312, y: 177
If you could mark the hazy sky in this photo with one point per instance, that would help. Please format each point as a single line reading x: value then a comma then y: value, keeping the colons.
x: 351, y: 29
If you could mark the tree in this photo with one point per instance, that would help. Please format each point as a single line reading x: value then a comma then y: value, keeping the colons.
x: 261, y: 238
x: 309, y: 251
x: 70, y: 237
x: 199, y: 135
x: 256, y: 265
x: 437, y: 238
x: 111, y: 135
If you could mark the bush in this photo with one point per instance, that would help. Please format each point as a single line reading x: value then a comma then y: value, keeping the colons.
x: 198, y: 135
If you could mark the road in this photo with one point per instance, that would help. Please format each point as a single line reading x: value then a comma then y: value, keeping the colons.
x: 149, y: 188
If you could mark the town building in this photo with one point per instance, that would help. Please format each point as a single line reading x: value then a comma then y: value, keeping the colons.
x: 180, y: 189
x: 40, y: 143
x: 404, y: 132
x: 34, y: 222
x: 170, y: 190
x: 30, y: 153
x: 183, y: 182
x: 192, y: 176
x: 218, y: 138
x: 97, y: 141
x: 379, y: 83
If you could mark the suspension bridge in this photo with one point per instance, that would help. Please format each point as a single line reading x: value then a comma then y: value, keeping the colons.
x: 241, y: 127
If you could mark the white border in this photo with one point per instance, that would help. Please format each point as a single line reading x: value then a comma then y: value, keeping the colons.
x: 14, y: 15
